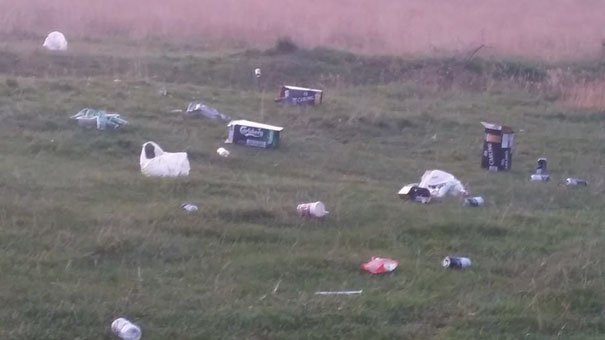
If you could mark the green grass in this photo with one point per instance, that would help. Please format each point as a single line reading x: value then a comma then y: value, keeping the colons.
x: 85, y: 238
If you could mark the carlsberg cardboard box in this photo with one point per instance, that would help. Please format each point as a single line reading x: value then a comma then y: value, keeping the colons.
x: 497, y: 147
x: 245, y: 132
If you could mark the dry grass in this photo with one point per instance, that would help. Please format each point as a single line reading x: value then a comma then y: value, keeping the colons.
x: 551, y: 29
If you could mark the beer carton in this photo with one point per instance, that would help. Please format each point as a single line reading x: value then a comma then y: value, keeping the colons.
x: 295, y: 95
x: 245, y: 132
x: 497, y: 147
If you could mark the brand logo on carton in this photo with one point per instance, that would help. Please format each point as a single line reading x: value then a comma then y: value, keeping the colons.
x: 251, y: 132
x: 490, y: 154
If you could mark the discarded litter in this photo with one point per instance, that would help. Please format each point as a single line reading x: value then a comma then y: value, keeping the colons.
x: 497, y: 147
x: 125, y: 330
x: 296, y: 95
x: 476, y: 201
x: 441, y: 184
x: 199, y: 109
x: 542, y: 167
x: 315, y: 209
x: 156, y: 162
x: 414, y: 193
x: 454, y: 262
x: 576, y: 182
x: 541, y: 173
x: 99, y: 119
x: 380, y: 265
x: 342, y: 292
x: 257, y: 72
x: 223, y: 152
x: 539, y: 178
x: 245, y: 132
x: 434, y: 183
x: 189, y: 207
x: 55, y: 41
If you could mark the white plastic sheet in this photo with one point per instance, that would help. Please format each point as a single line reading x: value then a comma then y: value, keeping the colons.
x: 156, y: 162
x: 441, y: 184
x: 55, y: 41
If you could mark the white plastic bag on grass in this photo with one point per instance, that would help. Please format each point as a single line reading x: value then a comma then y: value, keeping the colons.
x: 156, y: 162
x: 55, y: 41
x: 441, y: 184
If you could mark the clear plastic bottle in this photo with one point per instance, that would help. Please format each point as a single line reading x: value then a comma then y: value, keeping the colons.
x: 125, y: 329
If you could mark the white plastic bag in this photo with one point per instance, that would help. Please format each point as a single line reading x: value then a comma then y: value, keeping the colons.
x: 55, y: 41
x: 156, y: 162
x: 441, y: 184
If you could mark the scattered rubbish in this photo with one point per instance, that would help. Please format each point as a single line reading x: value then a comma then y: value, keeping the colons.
x: 541, y: 173
x: 476, y: 201
x: 189, y: 207
x: 380, y: 265
x: 245, y: 132
x: 497, y: 147
x: 434, y: 183
x: 539, y: 178
x: 223, y: 152
x: 176, y: 111
x: 257, y: 73
x: 576, y: 182
x: 55, y: 41
x: 315, y: 209
x: 414, y: 193
x: 342, y: 292
x: 299, y: 95
x: 199, y: 109
x: 156, y: 162
x: 441, y: 184
x: 99, y: 119
x: 125, y: 329
x: 454, y: 262
x: 542, y: 167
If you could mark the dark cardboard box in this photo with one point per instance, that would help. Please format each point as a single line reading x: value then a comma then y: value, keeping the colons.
x: 295, y: 95
x: 497, y: 147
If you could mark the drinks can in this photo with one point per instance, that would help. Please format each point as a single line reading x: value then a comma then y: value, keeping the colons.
x: 576, y: 182
x: 454, y: 262
x: 476, y: 201
x: 539, y: 178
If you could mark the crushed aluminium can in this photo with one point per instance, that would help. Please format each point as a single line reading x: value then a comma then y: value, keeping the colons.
x: 539, y: 178
x: 542, y: 167
x: 453, y: 262
x: 189, y: 207
x: 476, y: 201
x: 572, y: 182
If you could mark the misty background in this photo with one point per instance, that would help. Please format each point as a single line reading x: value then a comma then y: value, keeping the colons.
x: 548, y: 29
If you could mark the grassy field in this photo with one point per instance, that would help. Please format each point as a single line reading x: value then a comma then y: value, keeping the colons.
x: 85, y: 238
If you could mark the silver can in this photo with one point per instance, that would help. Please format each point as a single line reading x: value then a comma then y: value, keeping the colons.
x: 572, y: 182
x: 539, y: 178
x: 476, y: 201
x: 542, y: 167
x: 454, y: 262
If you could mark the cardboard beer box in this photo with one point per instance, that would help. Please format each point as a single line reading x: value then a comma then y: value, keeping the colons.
x: 497, y: 147
x: 245, y: 132
x: 295, y: 95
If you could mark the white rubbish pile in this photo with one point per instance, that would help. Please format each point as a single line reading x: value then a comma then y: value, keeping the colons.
x: 433, y: 184
x: 55, y: 41
x: 156, y: 162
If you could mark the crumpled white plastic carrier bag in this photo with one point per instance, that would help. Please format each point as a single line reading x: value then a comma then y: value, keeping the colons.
x: 156, y: 162
x: 441, y: 184
x: 55, y: 41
